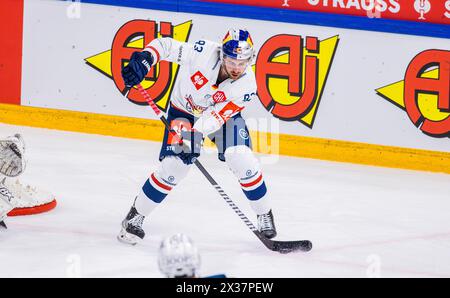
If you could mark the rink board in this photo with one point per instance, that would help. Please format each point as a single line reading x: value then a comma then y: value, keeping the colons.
x: 339, y: 94
x: 147, y: 129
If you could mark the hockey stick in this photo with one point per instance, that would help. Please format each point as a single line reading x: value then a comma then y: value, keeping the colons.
x: 279, y: 246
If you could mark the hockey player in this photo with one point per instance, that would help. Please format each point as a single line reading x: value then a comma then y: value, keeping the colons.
x: 178, y: 257
x: 12, y: 164
x: 214, y: 84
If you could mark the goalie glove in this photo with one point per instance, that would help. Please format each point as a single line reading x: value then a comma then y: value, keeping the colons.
x: 12, y: 156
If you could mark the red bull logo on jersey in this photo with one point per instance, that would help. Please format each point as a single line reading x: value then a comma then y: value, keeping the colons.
x: 424, y: 93
x: 134, y: 36
x: 291, y: 73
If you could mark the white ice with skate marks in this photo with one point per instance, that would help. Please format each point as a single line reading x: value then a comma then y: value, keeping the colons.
x: 363, y: 221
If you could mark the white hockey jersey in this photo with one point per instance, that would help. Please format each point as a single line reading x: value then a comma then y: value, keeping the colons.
x: 195, y: 90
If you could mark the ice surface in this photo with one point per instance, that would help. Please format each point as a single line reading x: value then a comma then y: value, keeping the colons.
x: 363, y: 221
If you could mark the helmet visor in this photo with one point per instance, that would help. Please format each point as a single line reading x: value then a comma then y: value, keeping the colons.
x: 240, y: 64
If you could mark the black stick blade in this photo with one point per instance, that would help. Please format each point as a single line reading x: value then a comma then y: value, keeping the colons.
x: 285, y: 247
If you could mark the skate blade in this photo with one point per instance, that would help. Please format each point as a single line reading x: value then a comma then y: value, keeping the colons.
x: 127, y: 238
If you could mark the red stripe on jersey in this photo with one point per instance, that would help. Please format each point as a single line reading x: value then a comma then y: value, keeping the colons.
x: 252, y: 183
x: 163, y: 186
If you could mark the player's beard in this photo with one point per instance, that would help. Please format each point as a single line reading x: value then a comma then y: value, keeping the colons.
x: 231, y: 74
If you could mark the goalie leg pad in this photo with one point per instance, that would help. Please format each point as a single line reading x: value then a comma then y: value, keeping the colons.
x: 7, y: 201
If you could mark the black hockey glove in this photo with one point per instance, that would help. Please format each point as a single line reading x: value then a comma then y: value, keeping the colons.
x: 137, y: 69
x: 190, y: 152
